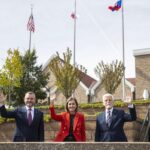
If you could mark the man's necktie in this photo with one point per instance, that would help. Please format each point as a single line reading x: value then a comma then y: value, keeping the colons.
x: 108, y: 118
x: 29, y: 117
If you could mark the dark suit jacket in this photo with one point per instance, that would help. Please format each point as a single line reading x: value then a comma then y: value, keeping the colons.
x: 25, y: 132
x: 115, y: 132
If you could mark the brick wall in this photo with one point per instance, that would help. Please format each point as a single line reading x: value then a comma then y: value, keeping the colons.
x: 80, y: 94
x: 142, y: 64
x: 51, y: 129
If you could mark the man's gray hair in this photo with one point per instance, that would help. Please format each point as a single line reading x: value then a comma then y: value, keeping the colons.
x: 108, y: 94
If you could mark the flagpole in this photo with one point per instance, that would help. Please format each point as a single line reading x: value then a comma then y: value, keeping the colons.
x: 74, y: 47
x: 30, y: 31
x: 30, y: 41
x: 123, y: 54
x: 74, y: 41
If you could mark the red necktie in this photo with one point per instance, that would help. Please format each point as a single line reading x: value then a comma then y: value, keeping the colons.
x: 29, y: 116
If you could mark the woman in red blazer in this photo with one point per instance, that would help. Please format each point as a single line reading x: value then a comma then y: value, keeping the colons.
x: 72, y: 122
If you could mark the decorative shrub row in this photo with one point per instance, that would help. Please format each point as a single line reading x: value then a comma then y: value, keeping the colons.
x: 47, y: 118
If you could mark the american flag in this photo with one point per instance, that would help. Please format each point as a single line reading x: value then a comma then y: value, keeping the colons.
x: 30, y: 25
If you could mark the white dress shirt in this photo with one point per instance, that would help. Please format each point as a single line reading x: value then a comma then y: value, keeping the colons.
x: 107, y: 112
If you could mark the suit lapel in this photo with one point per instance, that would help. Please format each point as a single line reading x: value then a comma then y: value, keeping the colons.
x: 24, y: 114
x: 113, y: 117
x: 104, y: 118
x: 35, y: 116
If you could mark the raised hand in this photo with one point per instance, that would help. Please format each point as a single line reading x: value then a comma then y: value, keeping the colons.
x: 52, y: 99
x: 128, y: 100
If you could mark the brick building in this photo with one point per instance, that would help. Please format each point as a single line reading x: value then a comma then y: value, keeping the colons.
x: 98, y: 91
x: 89, y: 90
x: 142, y: 68
x: 82, y: 92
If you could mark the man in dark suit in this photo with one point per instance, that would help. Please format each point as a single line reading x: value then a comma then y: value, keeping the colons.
x: 109, y: 124
x: 29, y: 120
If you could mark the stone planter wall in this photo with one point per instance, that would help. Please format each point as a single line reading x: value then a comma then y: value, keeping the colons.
x: 75, y: 146
x: 51, y: 129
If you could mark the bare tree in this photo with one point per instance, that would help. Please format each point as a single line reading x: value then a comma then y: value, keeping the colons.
x: 67, y: 75
x: 110, y: 75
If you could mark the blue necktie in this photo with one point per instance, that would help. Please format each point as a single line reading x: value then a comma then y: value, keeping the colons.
x: 108, y: 118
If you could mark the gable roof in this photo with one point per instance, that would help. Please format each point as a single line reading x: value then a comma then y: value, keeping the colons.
x: 47, y: 62
x: 139, y: 52
x: 87, y: 80
x: 132, y: 81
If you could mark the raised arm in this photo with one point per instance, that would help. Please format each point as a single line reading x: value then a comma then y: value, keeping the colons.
x: 132, y: 111
x: 52, y: 112
x: 3, y: 111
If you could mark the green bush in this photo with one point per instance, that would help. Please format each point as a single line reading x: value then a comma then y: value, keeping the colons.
x: 2, y: 120
x: 47, y: 107
x: 47, y: 118
x: 117, y: 103
x: 91, y: 105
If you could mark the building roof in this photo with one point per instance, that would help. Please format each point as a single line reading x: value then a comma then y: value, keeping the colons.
x: 131, y: 80
x: 87, y: 80
x: 47, y: 62
x: 139, y: 52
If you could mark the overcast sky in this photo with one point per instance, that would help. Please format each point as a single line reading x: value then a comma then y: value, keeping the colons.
x: 99, y: 31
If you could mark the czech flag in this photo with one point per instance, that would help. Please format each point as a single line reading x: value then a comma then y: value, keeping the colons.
x: 116, y: 6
